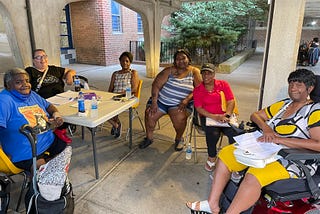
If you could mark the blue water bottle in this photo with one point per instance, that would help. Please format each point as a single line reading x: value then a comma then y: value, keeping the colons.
x: 81, y: 105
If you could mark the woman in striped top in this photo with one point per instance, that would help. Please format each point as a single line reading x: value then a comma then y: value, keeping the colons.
x: 119, y: 80
x: 171, y: 94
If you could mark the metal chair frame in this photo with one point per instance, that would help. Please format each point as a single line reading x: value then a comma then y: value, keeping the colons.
x: 9, y: 170
x: 195, y: 130
x: 135, y: 112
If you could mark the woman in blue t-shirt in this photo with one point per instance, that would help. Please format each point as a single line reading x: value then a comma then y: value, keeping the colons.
x: 18, y: 106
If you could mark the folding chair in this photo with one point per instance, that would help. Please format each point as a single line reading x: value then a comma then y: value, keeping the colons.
x: 135, y: 113
x: 196, y: 129
x: 9, y: 169
x: 84, y: 82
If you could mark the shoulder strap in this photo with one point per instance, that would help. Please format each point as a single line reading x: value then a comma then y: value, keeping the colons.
x: 41, y: 80
x: 279, y: 112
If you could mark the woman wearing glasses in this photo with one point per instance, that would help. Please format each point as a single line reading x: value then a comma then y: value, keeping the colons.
x: 53, y: 76
x: 49, y: 80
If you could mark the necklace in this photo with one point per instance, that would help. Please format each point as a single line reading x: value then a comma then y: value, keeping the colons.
x: 209, y: 88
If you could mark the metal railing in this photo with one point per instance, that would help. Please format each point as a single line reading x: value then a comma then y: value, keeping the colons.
x: 199, y: 55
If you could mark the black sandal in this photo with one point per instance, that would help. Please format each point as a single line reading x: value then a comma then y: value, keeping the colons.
x: 178, y: 145
x: 145, y: 143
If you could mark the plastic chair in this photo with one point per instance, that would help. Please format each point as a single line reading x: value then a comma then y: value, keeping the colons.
x: 135, y: 113
x: 9, y: 169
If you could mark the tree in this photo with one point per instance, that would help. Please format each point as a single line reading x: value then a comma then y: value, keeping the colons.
x: 214, y: 24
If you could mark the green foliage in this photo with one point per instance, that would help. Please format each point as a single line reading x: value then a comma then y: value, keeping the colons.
x: 214, y: 23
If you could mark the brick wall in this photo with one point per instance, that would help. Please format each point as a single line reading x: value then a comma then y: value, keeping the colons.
x: 94, y: 41
x: 306, y: 35
x: 86, y: 31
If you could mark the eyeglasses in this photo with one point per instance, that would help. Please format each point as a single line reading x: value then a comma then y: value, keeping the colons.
x: 41, y: 57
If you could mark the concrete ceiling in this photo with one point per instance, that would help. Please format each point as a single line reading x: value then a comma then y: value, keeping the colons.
x: 312, y: 9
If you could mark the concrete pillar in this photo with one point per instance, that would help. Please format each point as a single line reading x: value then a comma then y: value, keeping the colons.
x: 152, y: 19
x: 152, y: 14
x: 46, y: 27
x: 16, y: 30
x: 281, y: 57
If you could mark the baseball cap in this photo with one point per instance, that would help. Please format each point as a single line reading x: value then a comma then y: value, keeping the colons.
x: 208, y: 67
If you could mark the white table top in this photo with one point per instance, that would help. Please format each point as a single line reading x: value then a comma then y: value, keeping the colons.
x: 107, y: 108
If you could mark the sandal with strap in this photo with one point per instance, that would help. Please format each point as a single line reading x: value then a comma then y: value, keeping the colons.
x: 209, y: 166
x: 178, y: 144
x: 203, y: 208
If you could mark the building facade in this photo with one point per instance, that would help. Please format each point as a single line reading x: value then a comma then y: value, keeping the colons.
x: 102, y: 30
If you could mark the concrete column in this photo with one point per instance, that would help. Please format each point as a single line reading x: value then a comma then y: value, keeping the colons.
x: 16, y: 28
x: 152, y: 14
x: 152, y: 19
x: 46, y: 27
x: 281, y: 58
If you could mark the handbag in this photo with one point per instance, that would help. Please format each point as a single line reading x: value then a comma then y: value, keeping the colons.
x: 256, y: 154
x: 253, y: 160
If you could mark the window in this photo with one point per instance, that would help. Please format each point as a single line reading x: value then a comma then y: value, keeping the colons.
x: 139, y: 23
x: 65, y: 29
x: 116, y: 16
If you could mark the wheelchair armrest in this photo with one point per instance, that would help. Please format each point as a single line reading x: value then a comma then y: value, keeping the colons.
x: 296, y: 155
x: 299, y: 154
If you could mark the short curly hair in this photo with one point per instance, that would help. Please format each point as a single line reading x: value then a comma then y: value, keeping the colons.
x: 303, y: 75
x: 10, y: 74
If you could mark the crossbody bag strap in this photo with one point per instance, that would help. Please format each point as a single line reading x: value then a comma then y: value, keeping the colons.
x: 279, y: 112
x: 41, y: 80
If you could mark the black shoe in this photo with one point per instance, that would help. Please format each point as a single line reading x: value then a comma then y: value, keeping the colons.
x: 145, y: 143
x: 113, y: 130
x: 117, y: 131
x: 178, y: 145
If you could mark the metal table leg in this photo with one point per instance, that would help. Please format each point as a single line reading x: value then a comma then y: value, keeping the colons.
x: 130, y: 128
x: 95, y: 160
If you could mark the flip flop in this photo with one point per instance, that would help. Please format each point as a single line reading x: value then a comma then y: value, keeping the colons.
x: 204, y: 207
x: 209, y: 166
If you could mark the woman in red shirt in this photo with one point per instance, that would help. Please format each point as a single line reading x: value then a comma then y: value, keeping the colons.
x: 208, y: 103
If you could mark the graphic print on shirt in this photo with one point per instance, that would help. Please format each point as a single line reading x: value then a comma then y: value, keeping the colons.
x: 30, y: 113
x: 49, y: 79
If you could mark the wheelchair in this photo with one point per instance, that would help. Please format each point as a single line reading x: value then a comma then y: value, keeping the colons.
x: 295, y: 196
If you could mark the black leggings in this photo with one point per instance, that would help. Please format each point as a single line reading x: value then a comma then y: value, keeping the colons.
x: 54, y: 149
x: 213, y: 134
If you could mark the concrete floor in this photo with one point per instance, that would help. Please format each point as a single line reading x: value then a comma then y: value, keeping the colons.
x: 156, y: 179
